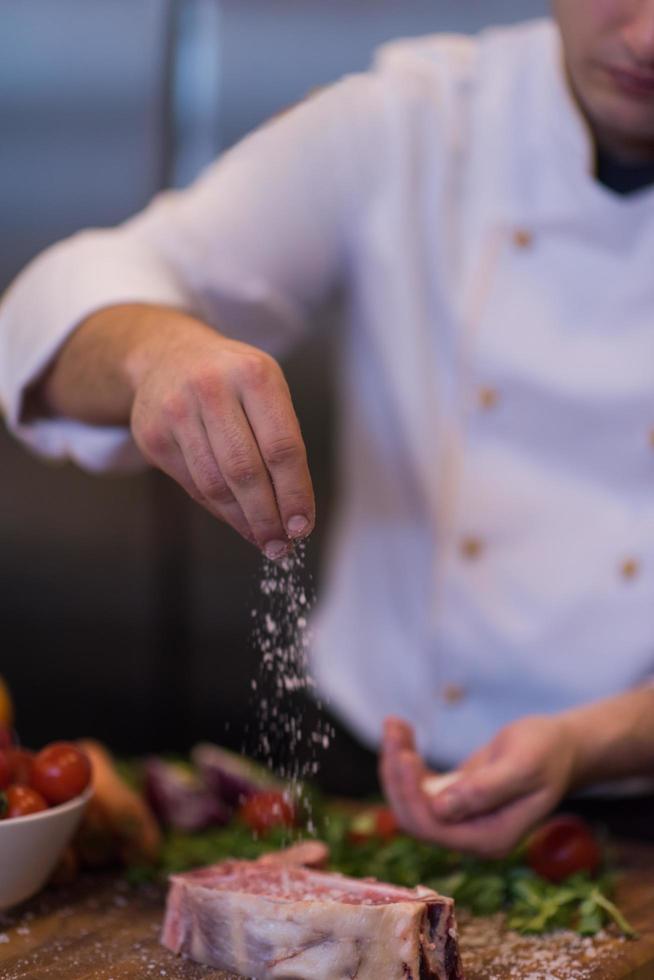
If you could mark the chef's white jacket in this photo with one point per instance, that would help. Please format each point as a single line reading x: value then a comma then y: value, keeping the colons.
x: 494, y: 548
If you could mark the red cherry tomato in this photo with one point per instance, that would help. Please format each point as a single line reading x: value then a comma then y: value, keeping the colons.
x: 5, y: 769
x: 61, y: 772
x: 22, y: 765
x: 268, y: 809
x: 376, y: 823
x: 22, y: 800
x: 562, y: 847
x: 386, y: 824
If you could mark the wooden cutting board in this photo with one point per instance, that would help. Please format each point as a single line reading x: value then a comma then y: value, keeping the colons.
x: 100, y: 929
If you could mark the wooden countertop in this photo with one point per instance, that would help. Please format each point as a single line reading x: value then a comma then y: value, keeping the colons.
x: 101, y: 929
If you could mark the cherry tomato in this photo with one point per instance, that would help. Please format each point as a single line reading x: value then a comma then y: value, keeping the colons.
x: 5, y: 769
x: 61, y: 772
x: 267, y: 809
x: 22, y: 765
x: 386, y: 825
x: 22, y: 800
x: 376, y: 823
x: 6, y: 737
x: 562, y: 847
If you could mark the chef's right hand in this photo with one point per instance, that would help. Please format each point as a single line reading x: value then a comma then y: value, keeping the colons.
x: 216, y: 415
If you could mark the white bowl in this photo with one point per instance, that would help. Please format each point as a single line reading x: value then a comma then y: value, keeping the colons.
x: 31, y: 846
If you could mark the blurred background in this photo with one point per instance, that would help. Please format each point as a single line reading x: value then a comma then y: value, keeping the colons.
x: 125, y: 611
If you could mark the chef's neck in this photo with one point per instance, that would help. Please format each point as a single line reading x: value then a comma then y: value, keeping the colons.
x: 621, y: 147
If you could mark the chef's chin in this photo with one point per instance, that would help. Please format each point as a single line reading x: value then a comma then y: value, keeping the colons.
x: 624, y: 117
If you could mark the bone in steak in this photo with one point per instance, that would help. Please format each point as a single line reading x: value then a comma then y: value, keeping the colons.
x: 275, y: 921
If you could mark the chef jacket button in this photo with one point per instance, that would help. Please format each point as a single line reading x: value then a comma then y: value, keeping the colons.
x: 488, y: 398
x: 471, y: 548
x: 453, y: 693
x: 630, y: 568
x: 522, y: 238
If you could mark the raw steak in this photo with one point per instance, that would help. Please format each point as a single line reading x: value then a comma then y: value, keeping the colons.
x: 273, y: 920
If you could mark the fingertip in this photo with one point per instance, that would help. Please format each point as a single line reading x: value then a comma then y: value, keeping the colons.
x: 387, y: 726
x: 299, y: 526
x: 445, y: 804
x: 463, y: 798
x: 276, y: 549
x: 398, y: 733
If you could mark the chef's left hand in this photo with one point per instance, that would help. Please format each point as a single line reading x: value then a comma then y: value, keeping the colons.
x: 498, y: 794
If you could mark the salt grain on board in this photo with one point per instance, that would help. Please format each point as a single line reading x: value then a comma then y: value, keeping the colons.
x: 501, y: 954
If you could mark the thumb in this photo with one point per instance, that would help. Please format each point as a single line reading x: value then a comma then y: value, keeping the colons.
x: 480, y: 791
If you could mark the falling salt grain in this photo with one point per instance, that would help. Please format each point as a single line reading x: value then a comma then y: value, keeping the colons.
x: 281, y: 634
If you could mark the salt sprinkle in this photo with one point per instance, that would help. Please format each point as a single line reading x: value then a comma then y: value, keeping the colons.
x: 282, y: 635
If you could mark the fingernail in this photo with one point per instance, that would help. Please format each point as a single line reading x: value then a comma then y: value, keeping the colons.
x: 435, y: 785
x: 297, y: 525
x: 275, y: 549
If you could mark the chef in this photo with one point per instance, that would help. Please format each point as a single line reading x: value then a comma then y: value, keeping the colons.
x: 487, y: 206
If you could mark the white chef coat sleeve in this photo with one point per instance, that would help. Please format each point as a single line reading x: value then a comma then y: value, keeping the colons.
x: 250, y: 247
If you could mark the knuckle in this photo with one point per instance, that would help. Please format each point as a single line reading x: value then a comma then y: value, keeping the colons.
x: 282, y: 451
x: 211, y: 484
x: 267, y: 527
x: 175, y: 408
x: 154, y: 441
x: 265, y: 520
x: 241, y: 471
x: 255, y: 368
x: 208, y: 386
x: 215, y: 489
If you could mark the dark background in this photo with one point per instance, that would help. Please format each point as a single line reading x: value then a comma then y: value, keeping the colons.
x: 124, y: 609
